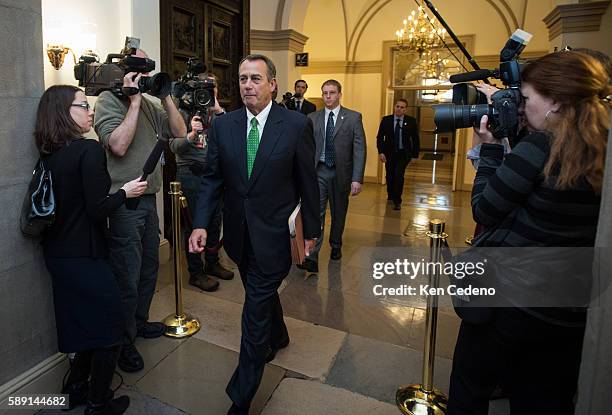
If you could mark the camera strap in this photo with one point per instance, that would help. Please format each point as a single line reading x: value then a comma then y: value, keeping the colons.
x: 145, y: 109
x: 128, y: 91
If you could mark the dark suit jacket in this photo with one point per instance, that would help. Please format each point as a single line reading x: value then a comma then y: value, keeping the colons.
x: 410, y: 136
x: 306, y: 108
x: 283, y: 174
x: 349, y: 143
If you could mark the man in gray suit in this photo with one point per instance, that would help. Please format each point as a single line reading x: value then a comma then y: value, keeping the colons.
x: 340, y: 159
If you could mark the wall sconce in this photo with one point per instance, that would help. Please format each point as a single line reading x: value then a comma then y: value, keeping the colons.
x: 57, y: 53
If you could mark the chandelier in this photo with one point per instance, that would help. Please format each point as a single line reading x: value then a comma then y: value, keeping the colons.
x: 434, y: 66
x: 420, y: 32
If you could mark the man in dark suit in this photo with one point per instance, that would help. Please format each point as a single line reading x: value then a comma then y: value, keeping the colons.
x: 262, y: 181
x: 340, y: 159
x: 298, y: 102
x: 398, y: 142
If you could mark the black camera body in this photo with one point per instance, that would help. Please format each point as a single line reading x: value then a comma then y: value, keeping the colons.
x: 470, y: 105
x: 288, y: 100
x: 193, y: 93
x: 96, y: 77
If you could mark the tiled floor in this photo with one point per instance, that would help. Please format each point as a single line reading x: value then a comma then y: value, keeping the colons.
x: 348, y: 352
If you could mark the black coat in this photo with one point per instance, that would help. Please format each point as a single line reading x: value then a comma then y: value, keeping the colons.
x: 283, y: 173
x: 306, y: 108
x: 410, y: 136
x: 80, y: 185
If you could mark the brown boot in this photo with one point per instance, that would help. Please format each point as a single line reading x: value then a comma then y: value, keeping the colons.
x: 204, y: 283
x: 217, y: 270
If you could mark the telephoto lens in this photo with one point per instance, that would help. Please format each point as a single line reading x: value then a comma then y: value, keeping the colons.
x: 450, y: 117
x: 158, y: 85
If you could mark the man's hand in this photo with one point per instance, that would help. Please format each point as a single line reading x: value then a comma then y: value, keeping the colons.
x: 217, y: 109
x: 130, y: 80
x: 196, y: 125
x: 355, y: 188
x: 382, y: 157
x: 197, y: 241
x: 309, y: 245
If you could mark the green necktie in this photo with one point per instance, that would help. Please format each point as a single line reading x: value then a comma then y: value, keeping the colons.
x: 252, y: 145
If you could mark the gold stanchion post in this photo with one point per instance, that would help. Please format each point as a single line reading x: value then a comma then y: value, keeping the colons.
x: 423, y: 399
x: 178, y: 324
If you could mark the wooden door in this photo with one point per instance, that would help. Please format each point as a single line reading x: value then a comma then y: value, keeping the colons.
x: 216, y: 32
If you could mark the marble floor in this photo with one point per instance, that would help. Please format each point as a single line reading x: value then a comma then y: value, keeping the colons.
x: 348, y: 353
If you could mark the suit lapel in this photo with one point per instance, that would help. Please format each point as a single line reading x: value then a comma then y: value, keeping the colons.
x: 239, y: 135
x: 271, y: 134
x: 339, y: 121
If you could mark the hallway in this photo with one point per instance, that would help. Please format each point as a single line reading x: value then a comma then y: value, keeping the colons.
x: 347, y: 355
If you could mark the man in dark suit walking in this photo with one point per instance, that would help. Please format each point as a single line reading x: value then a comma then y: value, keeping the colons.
x: 262, y: 181
x: 398, y: 142
x: 298, y: 102
x: 340, y: 159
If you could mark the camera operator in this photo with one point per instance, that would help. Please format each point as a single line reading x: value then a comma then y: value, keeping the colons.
x: 190, y: 160
x: 128, y: 128
x: 545, y: 193
x: 297, y: 102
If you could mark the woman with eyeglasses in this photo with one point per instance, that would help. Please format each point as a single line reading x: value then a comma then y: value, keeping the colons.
x: 88, y: 312
x: 545, y: 193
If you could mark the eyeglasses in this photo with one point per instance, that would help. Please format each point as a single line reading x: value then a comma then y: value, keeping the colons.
x: 86, y: 106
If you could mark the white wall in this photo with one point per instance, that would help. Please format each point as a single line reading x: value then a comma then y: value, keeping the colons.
x: 98, y: 24
x: 263, y: 14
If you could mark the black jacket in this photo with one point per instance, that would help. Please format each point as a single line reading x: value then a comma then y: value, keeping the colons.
x: 306, y: 108
x: 410, y: 136
x: 283, y: 173
x: 80, y: 185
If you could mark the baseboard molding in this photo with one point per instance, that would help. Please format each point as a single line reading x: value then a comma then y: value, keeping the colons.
x: 164, y: 251
x: 46, y: 377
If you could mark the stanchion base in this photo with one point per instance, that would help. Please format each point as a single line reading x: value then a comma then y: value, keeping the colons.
x: 413, y: 400
x: 181, y: 326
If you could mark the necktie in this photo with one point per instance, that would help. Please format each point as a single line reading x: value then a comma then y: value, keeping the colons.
x: 398, y: 135
x: 252, y: 146
x: 330, y: 152
x: 298, y: 105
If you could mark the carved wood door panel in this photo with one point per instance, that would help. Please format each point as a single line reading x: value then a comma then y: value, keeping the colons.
x: 215, y: 31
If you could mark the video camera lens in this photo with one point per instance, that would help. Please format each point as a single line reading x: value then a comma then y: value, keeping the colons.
x: 203, y: 98
x: 450, y: 117
x: 158, y: 85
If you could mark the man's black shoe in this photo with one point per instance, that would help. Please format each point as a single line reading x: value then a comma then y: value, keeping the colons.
x: 309, y: 265
x: 236, y: 410
x: 151, y: 330
x: 397, y: 206
x: 336, y: 254
x: 274, y: 349
x: 204, y: 283
x: 217, y: 270
x: 129, y: 359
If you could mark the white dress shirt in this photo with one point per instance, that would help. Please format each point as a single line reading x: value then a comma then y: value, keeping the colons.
x: 336, y: 111
x: 262, y: 117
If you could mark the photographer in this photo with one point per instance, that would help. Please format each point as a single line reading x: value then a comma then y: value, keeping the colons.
x: 297, y: 102
x: 128, y: 128
x: 545, y: 193
x: 190, y: 160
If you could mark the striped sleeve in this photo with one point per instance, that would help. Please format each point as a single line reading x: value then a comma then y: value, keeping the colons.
x: 501, y: 185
